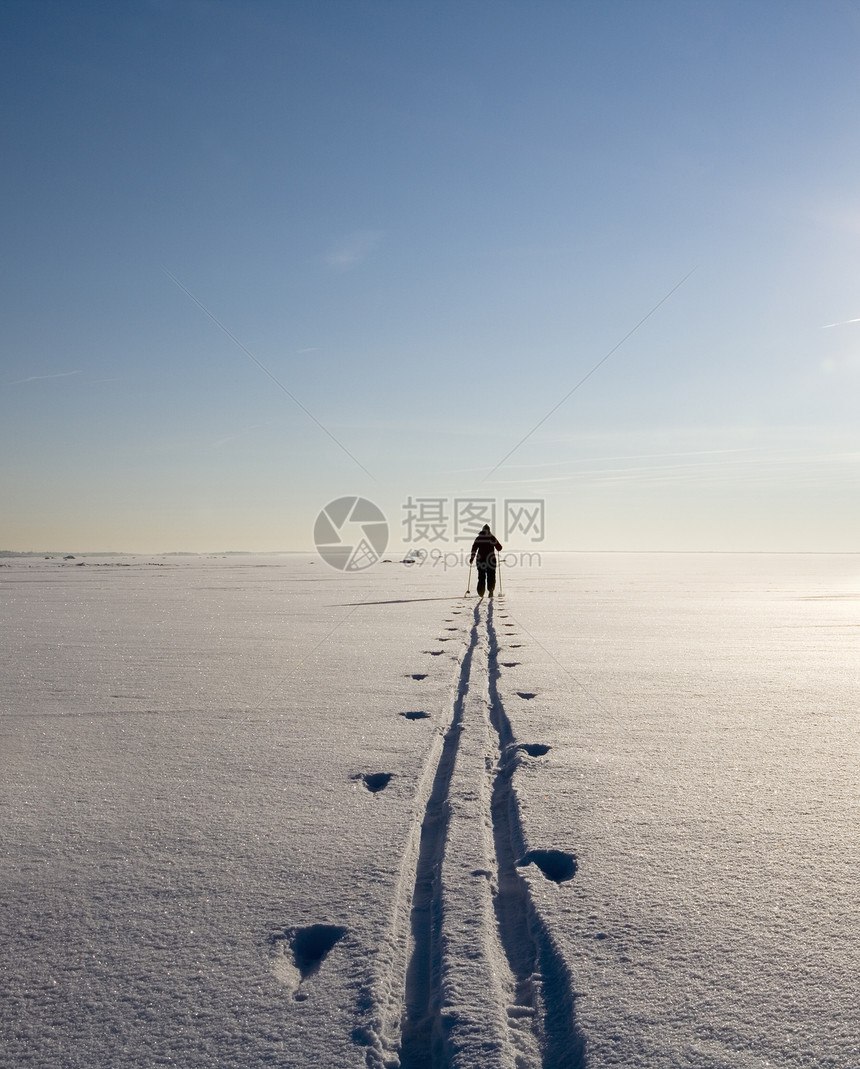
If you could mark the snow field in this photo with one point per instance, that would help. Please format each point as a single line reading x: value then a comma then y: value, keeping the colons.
x: 159, y: 847
x: 704, y: 731
x: 257, y: 812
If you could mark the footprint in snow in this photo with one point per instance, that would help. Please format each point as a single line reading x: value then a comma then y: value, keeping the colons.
x: 434, y: 653
x: 509, y: 664
x: 556, y: 865
x: 416, y: 715
x: 297, y: 953
x: 535, y: 749
x: 374, y: 781
x: 528, y: 695
x: 418, y: 675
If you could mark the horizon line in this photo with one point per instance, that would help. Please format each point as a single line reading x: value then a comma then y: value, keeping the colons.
x: 54, y: 553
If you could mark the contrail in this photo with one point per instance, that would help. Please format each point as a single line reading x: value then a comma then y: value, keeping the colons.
x: 843, y: 323
x: 600, y: 362
x: 39, y: 378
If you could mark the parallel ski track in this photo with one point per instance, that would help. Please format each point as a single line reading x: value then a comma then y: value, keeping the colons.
x: 470, y: 974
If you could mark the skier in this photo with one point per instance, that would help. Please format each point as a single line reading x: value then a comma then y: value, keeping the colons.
x: 484, y: 549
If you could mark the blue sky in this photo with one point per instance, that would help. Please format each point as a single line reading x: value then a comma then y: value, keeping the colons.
x: 427, y: 222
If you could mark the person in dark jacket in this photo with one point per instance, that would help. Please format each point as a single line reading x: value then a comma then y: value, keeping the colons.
x: 484, y: 554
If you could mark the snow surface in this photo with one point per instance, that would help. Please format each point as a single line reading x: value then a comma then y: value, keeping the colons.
x: 619, y: 826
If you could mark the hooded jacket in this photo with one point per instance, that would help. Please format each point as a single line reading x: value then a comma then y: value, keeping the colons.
x: 484, y: 547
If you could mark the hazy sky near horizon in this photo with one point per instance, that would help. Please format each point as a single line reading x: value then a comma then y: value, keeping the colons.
x: 422, y: 224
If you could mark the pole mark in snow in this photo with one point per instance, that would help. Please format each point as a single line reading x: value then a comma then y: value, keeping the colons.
x: 543, y: 983
x: 485, y: 982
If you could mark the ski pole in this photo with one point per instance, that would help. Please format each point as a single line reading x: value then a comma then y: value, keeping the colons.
x: 469, y: 580
x: 499, y: 571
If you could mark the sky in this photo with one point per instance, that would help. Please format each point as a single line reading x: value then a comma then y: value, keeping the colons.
x: 261, y: 256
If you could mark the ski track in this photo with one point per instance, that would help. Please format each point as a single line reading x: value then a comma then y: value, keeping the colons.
x: 469, y: 973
